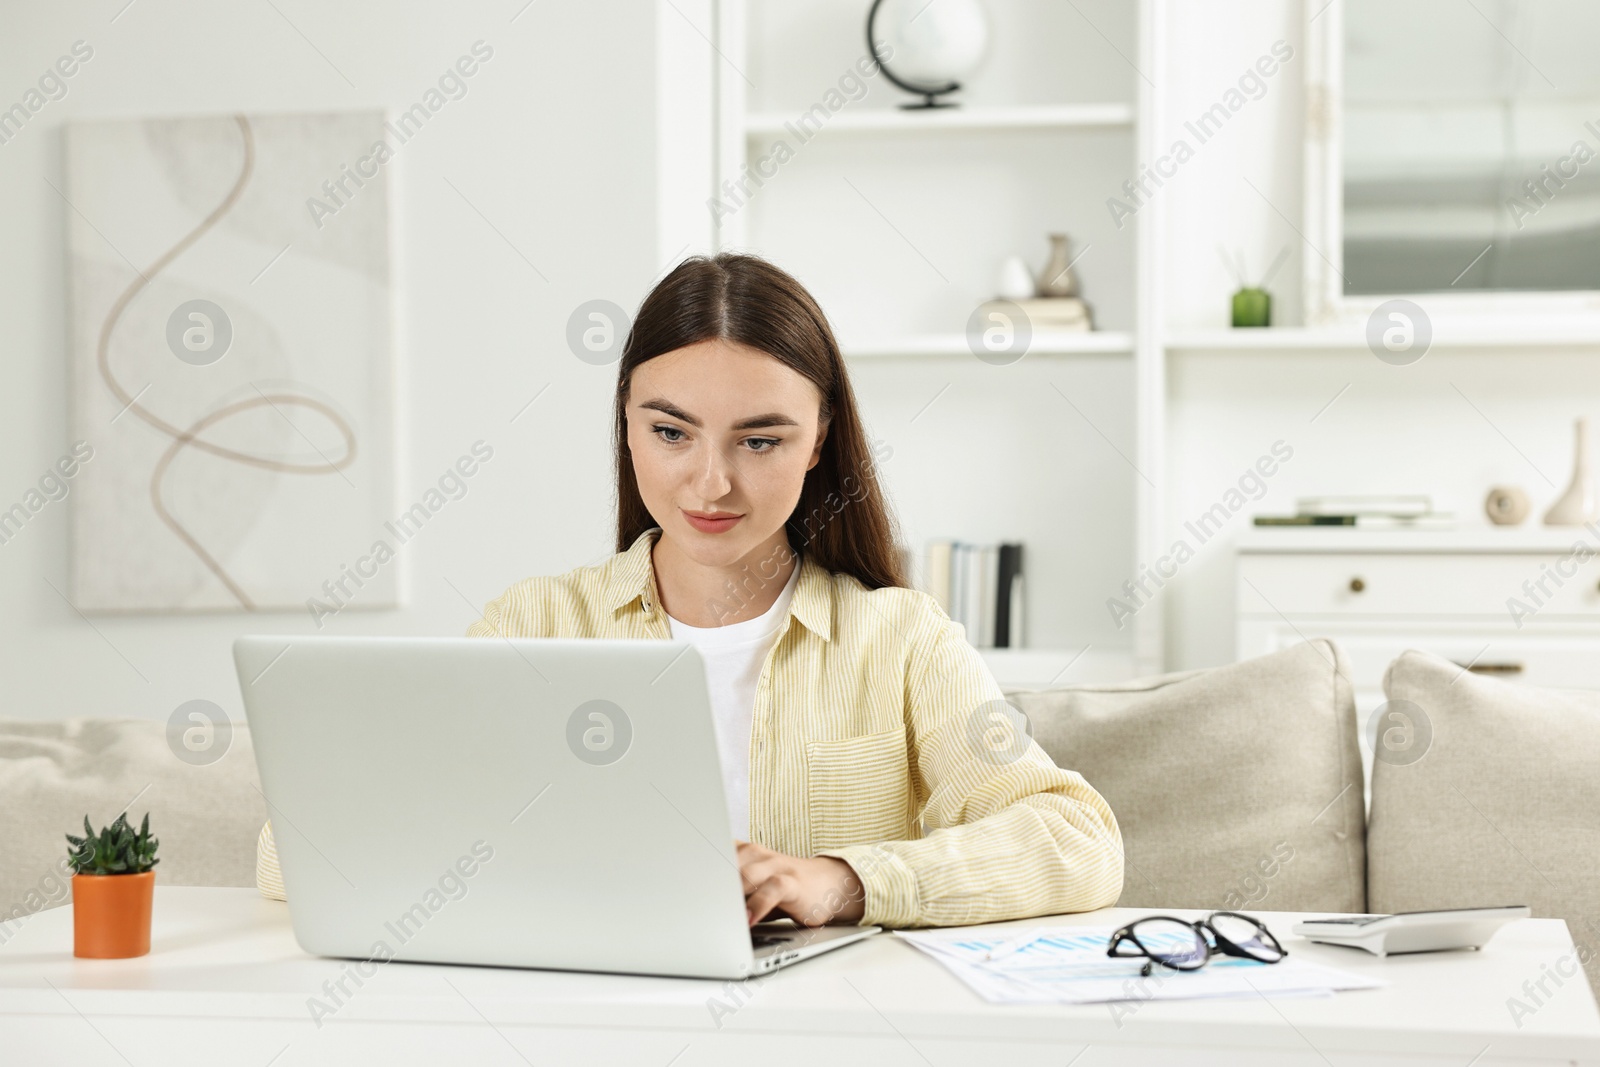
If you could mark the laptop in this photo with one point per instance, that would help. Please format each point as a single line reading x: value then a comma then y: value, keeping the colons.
x: 513, y: 802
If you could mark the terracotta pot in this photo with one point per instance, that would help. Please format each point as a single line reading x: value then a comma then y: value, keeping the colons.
x: 111, y: 915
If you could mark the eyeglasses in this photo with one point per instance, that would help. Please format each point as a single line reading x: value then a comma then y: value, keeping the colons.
x: 1187, y: 946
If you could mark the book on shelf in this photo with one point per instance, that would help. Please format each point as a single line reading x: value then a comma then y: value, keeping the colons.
x: 1378, y: 511
x: 1405, y: 505
x: 1063, y: 314
x: 979, y: 586
x: 1434, y: 520
x: 1437, y: 520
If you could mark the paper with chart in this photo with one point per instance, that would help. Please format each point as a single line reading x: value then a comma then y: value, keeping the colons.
x: 1069, y: 965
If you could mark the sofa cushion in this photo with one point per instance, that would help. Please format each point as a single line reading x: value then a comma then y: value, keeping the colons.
x: 1234, y: 787
x: 52, y: 774
x: 1497, y: 801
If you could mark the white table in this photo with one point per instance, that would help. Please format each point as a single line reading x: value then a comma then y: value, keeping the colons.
x: 225, y: 983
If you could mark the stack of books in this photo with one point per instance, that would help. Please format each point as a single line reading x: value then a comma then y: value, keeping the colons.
x: 980, y: 587
x: 1404, y: 512
x: 1063, y: 314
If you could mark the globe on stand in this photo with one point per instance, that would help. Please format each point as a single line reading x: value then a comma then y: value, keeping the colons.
x: 933, y: 44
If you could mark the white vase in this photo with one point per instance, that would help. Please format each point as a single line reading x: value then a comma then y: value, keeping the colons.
x: 1016, y: 280
x: 1579, y: 504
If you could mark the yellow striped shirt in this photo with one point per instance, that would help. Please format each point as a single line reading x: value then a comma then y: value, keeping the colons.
x: 890, y: 748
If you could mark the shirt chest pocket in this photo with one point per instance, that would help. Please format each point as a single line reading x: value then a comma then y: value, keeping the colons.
x: 859, y: 789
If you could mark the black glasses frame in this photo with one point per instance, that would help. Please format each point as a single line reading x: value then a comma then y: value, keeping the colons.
x: 1205, y: 933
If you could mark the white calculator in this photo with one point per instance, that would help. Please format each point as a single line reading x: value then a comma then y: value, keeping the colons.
x: 1412, y: 931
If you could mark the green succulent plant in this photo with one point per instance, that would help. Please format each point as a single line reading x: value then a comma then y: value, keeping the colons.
x: 115, y: 850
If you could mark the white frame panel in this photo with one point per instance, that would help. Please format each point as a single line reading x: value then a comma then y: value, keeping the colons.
x: 1322, y: 253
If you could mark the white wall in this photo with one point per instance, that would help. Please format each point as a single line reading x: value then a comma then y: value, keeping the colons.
x: 555, y: 142
x: 1451, y: 425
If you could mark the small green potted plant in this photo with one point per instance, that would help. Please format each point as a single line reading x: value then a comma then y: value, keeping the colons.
x: 113, y: 882
x: 1252, y: 304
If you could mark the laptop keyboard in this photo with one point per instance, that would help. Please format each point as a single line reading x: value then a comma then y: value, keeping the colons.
x: 764, y: 940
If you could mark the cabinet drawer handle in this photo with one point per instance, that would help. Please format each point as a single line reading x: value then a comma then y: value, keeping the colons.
x: 1357, y: 585
x: 1491, y: 668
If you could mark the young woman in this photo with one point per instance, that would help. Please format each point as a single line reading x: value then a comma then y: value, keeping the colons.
x: 872, y: 772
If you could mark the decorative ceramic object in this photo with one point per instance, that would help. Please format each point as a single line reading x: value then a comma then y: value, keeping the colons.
x: 1057, y: 278
x: 1016, y: 280
x: 1252, y: 307
x: 1506, y: 505
x: 1579, y: 504
x: 931, y: 44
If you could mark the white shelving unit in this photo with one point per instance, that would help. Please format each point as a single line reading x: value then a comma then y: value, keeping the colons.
x: 897, y: 219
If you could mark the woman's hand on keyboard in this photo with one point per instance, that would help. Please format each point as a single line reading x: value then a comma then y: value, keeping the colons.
x: 812, y: 892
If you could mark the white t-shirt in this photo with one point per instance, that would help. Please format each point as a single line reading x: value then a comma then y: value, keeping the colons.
x: 734, y: 655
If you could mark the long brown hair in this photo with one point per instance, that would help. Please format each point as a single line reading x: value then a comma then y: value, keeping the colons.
x: 841, y: 520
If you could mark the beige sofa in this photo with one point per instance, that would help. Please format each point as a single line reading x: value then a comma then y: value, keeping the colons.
x: 1236, y: 787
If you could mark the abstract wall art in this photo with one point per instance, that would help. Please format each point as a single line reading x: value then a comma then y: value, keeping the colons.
x: 231, y: 360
